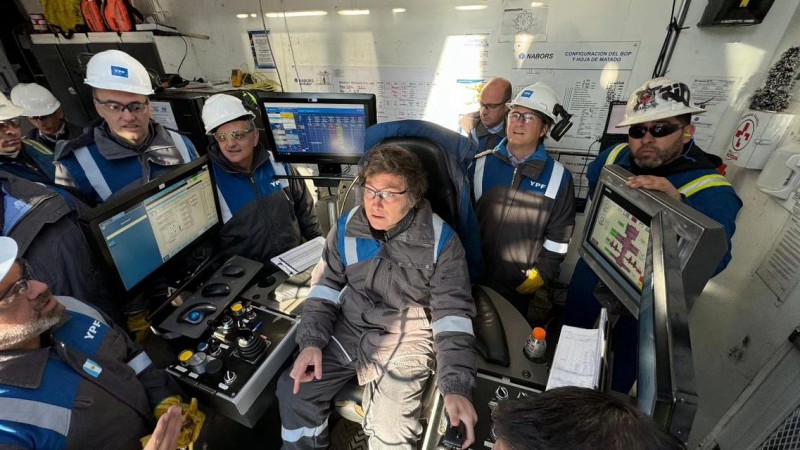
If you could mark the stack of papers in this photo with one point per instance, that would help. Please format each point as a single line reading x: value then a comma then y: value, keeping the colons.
x: 300, y: 258
x: 579, y: 355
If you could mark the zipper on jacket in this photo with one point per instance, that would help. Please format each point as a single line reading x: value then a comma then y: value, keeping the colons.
x: 514, y: 177
x: 341, y: 347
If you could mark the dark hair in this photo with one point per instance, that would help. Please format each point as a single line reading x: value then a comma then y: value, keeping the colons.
x: 396, y: 160
x: 685, y: 119
x: 577, y: 418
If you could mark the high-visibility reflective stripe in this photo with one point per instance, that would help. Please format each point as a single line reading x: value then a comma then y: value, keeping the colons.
x: 703, y: 182
x: 438, y: 223
x: 38, y: 146
x: 452, y: 323
x: 140, y: 362
x: 350, y: 249
x: 35, y: 413
x: 477, y: 180
x: 75, y: 305
x: 180, y: 144
x: 297, y: 433
x: 92, y: 171
x: 223, y: 206
x: 280, y: 169
x: 325, y: 293
x: 556, y: 247
x: 555, y: 181
x: 612, y: 155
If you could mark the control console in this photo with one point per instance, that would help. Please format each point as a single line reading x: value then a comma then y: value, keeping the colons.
x: 232, y: 347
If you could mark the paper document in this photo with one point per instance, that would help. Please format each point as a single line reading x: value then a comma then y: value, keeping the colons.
x: 300, y: 258
x: 578, y: 357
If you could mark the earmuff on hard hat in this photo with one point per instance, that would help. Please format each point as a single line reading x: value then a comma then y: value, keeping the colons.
x: 563, y: 125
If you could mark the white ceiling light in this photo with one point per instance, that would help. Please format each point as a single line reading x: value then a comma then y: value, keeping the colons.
x: 536, y: 4
x: 242, y: 16
x: 471, y: 7
x: 296, y: 14
x: 253, y: 15
x: 354, y: 12
x: 398, y: 10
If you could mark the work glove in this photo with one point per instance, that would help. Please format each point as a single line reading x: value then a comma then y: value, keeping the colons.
x: 193, y: 419
x: 533, y: 281
x: 139, y: 326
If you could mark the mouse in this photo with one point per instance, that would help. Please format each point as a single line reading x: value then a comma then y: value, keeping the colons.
x: 233, y: 270
x: 216, y: 290
x: 195, y: 314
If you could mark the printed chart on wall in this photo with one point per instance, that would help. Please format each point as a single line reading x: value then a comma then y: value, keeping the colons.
x: 437, y: 95
x: 587, y: 76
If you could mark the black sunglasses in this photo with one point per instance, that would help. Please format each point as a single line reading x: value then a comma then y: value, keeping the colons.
x: 658, y: 130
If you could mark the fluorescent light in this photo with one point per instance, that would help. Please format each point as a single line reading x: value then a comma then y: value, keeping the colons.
x: 354, y: 12
x: 471, y: 7
x: 536, y: 4
x: 296, y: 14
x: 242, y: 16
x: 398, y: 10
x: 254, y: 15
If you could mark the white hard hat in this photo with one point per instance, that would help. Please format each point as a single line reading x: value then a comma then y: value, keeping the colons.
x: 118, y: 71
x: 659, y: 98
x: 8, y: 110
x: 538, y: 97
x: 35, y: 100
x: 8, y: 254
x: 222, y: 108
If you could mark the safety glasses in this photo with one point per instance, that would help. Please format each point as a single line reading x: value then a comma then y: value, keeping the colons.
x: 657, y: 130
x: 5, y: 124
x: 116, y: 107
x: 19, y: 288
x: 40, y: 118
x: 235, y: 135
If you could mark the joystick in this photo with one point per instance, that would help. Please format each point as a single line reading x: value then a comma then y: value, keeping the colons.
x: 453, y: 437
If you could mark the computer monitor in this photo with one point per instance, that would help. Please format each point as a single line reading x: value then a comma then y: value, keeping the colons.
x: 618, y: 229
x: 323, y: 129
x: 142, y: 231
x: 612, y: 134
x: 655, y: 255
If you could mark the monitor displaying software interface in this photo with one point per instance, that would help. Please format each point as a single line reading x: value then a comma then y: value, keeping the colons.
x: 320, y: 128
x: 620, y: 232
x: 147, y: 234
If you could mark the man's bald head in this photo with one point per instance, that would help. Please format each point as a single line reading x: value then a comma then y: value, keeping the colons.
x: 494, y: 96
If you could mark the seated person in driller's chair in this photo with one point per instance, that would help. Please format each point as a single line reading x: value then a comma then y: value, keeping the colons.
x: 391, y: 291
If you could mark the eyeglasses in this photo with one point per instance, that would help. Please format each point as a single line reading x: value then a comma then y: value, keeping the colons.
x: 39, y: 118
x: 20, y: 287
x: 657, y: 130
x: 5, y: 124
x: 492, y: 105
x: 387, y: 196
x: 235, y: 135
x: 525, y: 117
x: 116, y: 107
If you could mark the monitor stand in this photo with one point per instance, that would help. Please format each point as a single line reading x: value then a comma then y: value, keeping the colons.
x: 330, y: 174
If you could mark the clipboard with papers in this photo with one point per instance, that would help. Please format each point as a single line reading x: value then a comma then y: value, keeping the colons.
x: 301, y: 257
x: 580, y: 357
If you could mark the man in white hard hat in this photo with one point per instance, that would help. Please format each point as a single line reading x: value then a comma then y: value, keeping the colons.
x: 525, y: 201
x: 245, y: 174
x: 19, y: 156
x: 487, y: 126
x: 125, y: 147
x: 69, y: 378
x: 662, y: 156
x: 45, y: 113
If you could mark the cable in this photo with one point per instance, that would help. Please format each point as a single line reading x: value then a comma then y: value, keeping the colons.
x: 185, y: 52
x: 269, y: 43
x: 291, y: 47
x: 346, y: 193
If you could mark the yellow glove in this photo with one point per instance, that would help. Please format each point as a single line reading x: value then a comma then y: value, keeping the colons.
x: 139, y: 326
x: 193, y: 418
x: 532, y: 283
